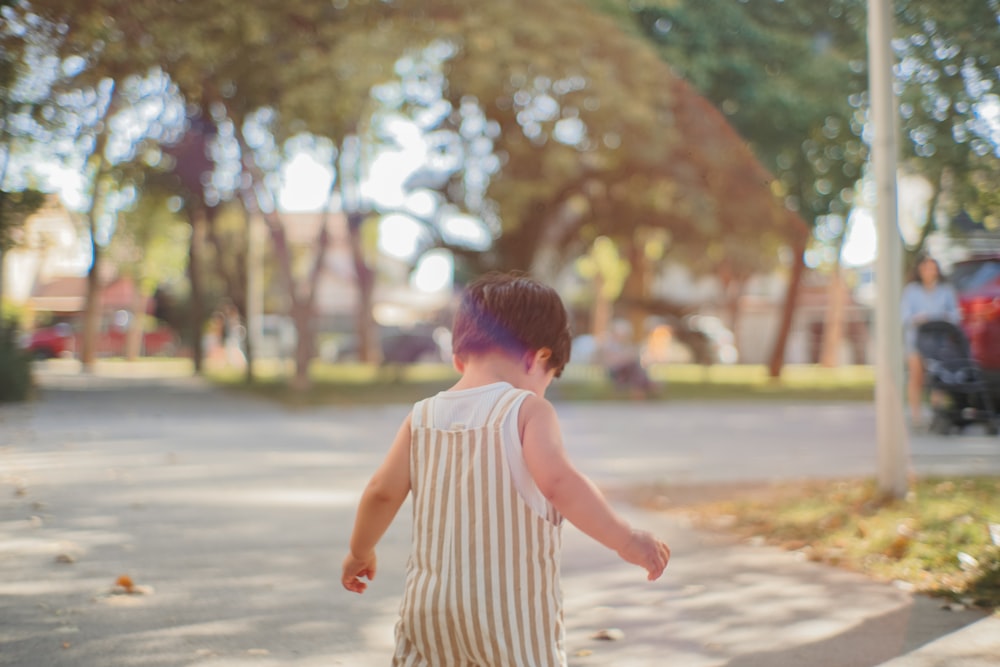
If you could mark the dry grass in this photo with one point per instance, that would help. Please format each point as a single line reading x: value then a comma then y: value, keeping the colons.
x: 942, y: 539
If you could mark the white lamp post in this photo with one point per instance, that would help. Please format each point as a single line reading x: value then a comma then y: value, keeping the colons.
x: 893, y: 443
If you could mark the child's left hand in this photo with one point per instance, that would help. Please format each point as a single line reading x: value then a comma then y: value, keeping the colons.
x: 356, y: 568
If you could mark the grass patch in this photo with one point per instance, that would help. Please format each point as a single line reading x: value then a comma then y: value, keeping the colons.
x: 797, y: 382
x: 942, y: 539
x: 340, y: 384
x: 365, y: 384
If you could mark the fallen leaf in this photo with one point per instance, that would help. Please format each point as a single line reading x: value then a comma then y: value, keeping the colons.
x: 125, y: 586
x: 609, y: 634
x: 898, y: 547
x: 125, y: 582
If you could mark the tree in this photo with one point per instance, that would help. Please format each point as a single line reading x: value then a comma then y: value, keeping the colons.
x: 187, y: 173
x: 148, y: 247
x: 112, y: 175
x: 548, y: 162
x: 15, y: 208
x: 93, y: 73
x: 785, y: 74
x: 607, y: 271
x: 267, y: 88
x: 20, y: 100
x: 595, y: 138
x: 948, y: 59
x: 593, y: 127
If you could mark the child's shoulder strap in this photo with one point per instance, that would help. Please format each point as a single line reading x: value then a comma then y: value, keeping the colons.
x: 507, y: 401
x: 421, y: 413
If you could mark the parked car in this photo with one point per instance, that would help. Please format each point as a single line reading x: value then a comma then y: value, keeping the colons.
x: 63, y: 339
x: 977, y: 283
x: 57, y: 340
x: 278, y: 338
x: 403, y: 346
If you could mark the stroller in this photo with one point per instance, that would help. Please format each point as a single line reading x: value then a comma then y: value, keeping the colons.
x: 952, y: 374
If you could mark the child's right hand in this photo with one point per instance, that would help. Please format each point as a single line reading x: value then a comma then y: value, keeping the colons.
x: 646, y: 551
x: 354, y: 569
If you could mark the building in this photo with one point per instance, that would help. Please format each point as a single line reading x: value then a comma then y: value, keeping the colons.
x: 47, y: 263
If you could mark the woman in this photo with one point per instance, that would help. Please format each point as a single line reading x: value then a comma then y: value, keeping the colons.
x: 926, y: 298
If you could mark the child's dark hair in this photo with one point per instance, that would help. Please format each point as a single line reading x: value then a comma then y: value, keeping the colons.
x: 513, y: 313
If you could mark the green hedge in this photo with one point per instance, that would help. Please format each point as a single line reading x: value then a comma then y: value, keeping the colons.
x: 15, y: 365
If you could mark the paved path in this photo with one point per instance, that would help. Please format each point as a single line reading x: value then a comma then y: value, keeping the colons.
x: 236, y: 512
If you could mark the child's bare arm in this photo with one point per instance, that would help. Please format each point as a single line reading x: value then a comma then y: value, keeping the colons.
x: 575, y: 496
x: 380, y: 501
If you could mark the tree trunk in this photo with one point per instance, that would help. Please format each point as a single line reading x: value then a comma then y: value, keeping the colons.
x: 136, y: 323
x: 637, y: 285
x: 92, y: 306
x: 2, y: 254
x: 195, y: 247
x: 92, y: 298
x: 369, y: 347
x: 600, y: 316
x: 788, y: 309
x: 733, y: 289
x: 251, y: 315
x: 929, y: 223
x: 4, y: 228
x: 91, y: 313
x: 303, y: 319
x: 302, y: 305
x: 833, y: 327
x: 235, y: 275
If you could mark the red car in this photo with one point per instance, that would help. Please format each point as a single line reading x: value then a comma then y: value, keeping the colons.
x: 977, y: 282
x: 57, y: 340
x: 62, y: 340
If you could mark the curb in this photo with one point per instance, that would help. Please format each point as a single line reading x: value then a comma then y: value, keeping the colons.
x: 975, y: 645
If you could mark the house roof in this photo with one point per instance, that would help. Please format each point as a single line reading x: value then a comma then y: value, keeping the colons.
x: 68, y: 295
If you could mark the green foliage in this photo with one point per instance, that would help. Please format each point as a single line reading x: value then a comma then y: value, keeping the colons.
x: 15, y: 365
x: 653, y: 154
x: 785, y: 75
x: 604, y: 264
x: 948, y: 58
x: 792, y: 78
x: 15, y: 208
x: 150, y: 241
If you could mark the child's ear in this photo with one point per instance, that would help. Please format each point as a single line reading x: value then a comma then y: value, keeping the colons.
x: 458, y: 363
x: 539, y: 357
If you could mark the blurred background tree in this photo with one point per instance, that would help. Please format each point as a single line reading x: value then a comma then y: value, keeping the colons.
x: 704, y: 135
x: 948, y: 107
x: 783, y: 75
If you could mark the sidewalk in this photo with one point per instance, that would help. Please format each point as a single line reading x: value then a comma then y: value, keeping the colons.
x: 236, y: 513
x: 722, y: 603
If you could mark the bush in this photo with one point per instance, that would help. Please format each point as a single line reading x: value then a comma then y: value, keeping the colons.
x: 15, y: 365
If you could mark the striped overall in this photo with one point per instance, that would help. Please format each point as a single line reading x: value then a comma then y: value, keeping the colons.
x: 482, y: 584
